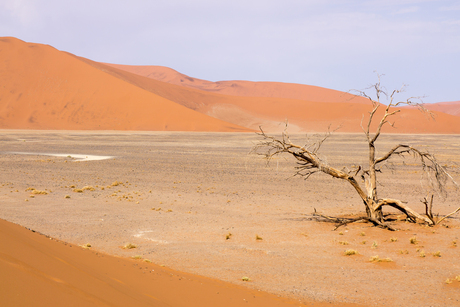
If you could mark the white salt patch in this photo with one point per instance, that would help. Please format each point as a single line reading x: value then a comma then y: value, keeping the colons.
x: 74, y: 156
x: 141, y: 233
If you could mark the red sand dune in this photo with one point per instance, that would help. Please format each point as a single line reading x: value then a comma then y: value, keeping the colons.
x: 243, y: 88
x: 451, y: 107
x: 271, y: 111
x: 44, y: 272
x: 44, y: 88
x: 307, y: 108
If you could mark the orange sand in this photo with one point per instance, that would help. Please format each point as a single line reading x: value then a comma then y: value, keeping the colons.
x: 452, y: 107
x: 43, y: 88
x: 44, y: 272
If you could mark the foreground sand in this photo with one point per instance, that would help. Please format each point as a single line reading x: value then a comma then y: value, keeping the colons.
x: 39, y: 271
x: 180, y: 195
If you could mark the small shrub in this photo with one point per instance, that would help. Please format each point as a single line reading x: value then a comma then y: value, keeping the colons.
x: 89, y: 188
x: 393, y: 239
x: 378, y: 259
x: 67, y: 196
x: 413, y: 240
x: 86, y: 246
x: 457, y: 278
x: 78, y: 190
x: 374, y: 258
x: 343, y: 242
x: 37, y: 192
x: 362, y: 234
x: 422, y: 254
x: 350, y: 252
x: 245, y: 278
x: 404, y: 252
x: 454, y: 243
x: 227, y: 237
x: 448, y: 281
x: 137, y: 257
x: 129, y: 246
x: 437, y: 254
x: 258, y: 238
x: 374, y: 245
x: 147, y: 260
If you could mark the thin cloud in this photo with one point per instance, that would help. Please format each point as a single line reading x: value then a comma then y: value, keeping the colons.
x: 449, y: 8
x: 407, y: 10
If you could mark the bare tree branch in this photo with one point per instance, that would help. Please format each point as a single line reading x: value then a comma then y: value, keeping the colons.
x: 309, y: 162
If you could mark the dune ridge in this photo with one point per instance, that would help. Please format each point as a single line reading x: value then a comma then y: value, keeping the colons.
x: 333, y: 109
x: 44, y: 88
x: 243, y: 88
x: 450, y: 107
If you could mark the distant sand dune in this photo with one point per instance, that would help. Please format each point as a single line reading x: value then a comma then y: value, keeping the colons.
x: 43, y: 88
x: 452, y: 107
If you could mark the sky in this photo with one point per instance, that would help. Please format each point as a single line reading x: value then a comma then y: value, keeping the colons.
x: 337, y: 44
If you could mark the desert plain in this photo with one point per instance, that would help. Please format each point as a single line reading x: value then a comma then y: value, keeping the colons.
x: 199, y: 203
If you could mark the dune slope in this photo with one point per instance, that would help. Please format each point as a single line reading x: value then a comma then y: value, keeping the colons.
x: 451, y: 107
x: 43, y: 88
x: 326, y: 107
x: 243, y: 88
x: 46, y: 272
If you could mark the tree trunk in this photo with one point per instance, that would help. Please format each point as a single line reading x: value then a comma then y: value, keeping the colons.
x: 374, y: 211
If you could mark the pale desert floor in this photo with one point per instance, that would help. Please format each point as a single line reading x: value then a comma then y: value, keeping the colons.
x: 180, y: 195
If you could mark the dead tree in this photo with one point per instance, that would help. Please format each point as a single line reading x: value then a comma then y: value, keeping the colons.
x: 363, y: 179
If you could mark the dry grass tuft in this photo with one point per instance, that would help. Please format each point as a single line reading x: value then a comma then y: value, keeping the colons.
x: 89, y: 188
x: 86, y: 246
x: 37, y: 192
x: 454, y: 243
x: 137, y: 257
x: 404, y: 252
x: 378, y: 259
x: 457, y: 278
x: 245, y: 278
x: 393, y: 239
x: 67, y: 196
x: 258, y: 238
x: 422, y: 254
x: 343, y: 242
x: 413, y: 240
x: 129, y: 246
x: 437, y: 254
x: 116, y: 183
x: 374, y: 245
x: 350, y: 252
x: 147, y: 260
x: 78, y: 190
x: 227, y: 237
